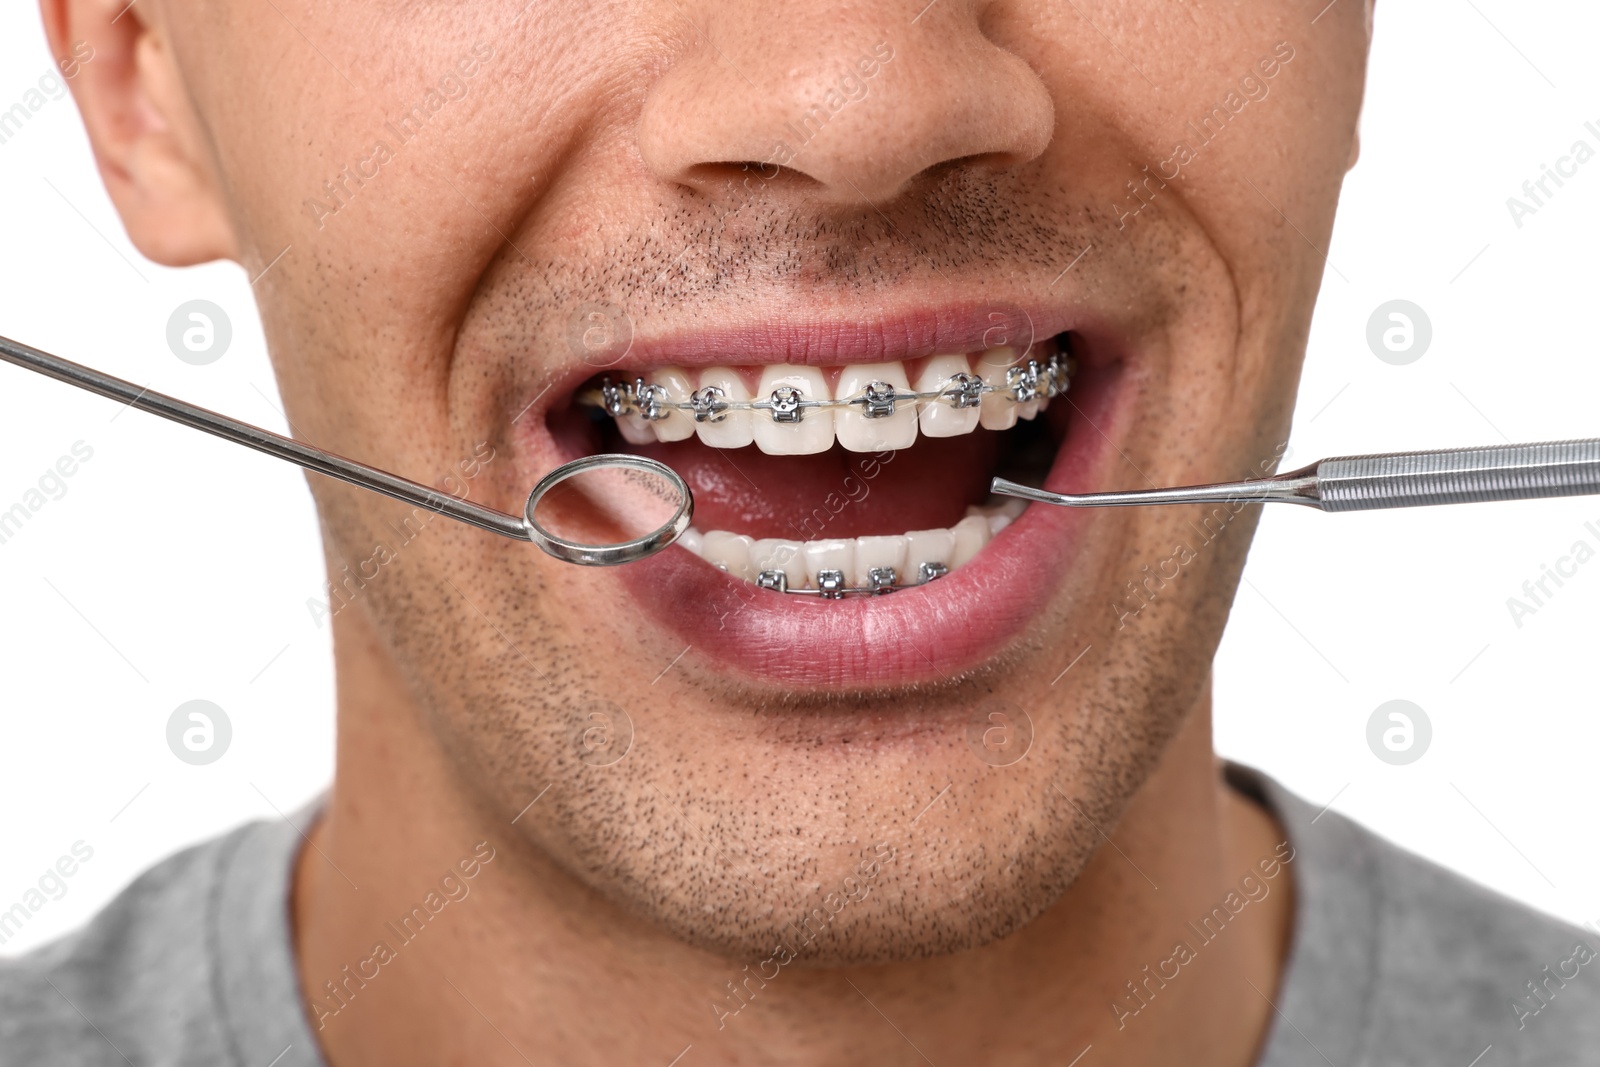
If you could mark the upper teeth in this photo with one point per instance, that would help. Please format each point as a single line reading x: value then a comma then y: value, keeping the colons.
x: 871, y: 408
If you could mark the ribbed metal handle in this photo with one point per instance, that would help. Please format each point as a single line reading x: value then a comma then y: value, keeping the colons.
x: 1459, y: 475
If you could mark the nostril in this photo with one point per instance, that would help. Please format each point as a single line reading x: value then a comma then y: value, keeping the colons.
x: 979, y: 161
x: 748, y: 174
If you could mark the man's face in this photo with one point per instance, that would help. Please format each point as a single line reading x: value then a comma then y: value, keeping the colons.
x: 485, y: 204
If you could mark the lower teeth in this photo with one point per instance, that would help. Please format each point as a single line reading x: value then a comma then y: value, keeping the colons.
x: 863, y: 566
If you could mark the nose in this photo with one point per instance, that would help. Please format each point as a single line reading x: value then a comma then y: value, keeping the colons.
x: 848, y: 102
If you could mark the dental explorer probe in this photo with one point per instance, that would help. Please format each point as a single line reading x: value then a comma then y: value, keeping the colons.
x: 1385, y: 480
x: 522, y: 527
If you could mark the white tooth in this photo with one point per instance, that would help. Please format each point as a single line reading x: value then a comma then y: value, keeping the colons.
x: 854, y: 558
x: 997, y: 410
x: 861, y: 434
x: 735, y: 429
x: 995, y: 504
x: 837, y: 555
x: 879, y: 552
x: 678, y: 425
x: 637, y: 430
x: 1030, y: 409
x: 814, y: 431
x: 730, y: 551
x: 776, y: 554
x: 971, y: 534
x: 939, y: 418
x: 928, y: 546
x: 998, y: 512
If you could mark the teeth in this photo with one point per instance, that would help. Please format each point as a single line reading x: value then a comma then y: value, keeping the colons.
x: 930, y: 546
x: 879, y: 552
x: 733, y: 428
x: 870, y: 408
x: 636, y: 429
x: 775, y: 554
x: 999, y: 515
x: 971, y: 534
x: 812, y: 431
x: 835, y: 555
x: 855, y: 428
x: 997, y: 411
x: 729, y: 552
x: 678, y: 425
x: 804, y: 563
x: 943, y: 420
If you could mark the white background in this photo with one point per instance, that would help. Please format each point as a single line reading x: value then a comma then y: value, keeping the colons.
x: 177, y: 567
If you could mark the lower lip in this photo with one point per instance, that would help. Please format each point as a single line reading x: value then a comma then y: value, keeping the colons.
x: 919, y: 635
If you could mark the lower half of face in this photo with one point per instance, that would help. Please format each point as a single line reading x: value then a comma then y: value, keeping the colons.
x: 862, y: 686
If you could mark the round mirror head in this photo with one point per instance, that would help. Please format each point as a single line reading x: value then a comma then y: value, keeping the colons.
x: 603, y: 510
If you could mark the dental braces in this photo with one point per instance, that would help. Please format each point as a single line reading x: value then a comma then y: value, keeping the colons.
x: 830, y: 583
x: 1034, y: 379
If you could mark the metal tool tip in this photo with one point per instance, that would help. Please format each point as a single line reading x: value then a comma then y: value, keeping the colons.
x: 1005, y: 487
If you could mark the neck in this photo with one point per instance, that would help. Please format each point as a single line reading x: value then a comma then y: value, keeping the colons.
x: 521, y: 962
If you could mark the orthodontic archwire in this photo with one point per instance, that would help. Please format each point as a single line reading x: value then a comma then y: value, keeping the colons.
x: 1034, y: 379
x: 831, y: 585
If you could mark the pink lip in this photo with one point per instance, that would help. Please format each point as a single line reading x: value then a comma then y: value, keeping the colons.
x: 910, y: 636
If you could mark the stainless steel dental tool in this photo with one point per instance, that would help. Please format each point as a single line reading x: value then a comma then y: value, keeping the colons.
x: 1385, y: 480
x: 1347, y: 483
x: 522, y: 527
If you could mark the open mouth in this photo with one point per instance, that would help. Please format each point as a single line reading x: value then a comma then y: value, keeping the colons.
x: 851, y: 469
x: 862, y: 479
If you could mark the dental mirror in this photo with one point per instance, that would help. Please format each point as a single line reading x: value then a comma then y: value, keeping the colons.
x: 597, y: 511
x: 601, y: 510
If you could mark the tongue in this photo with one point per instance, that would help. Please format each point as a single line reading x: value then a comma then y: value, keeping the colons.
x: 834, y: 493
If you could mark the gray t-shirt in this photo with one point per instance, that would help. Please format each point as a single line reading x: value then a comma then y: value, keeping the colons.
x: 1393, y: 961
